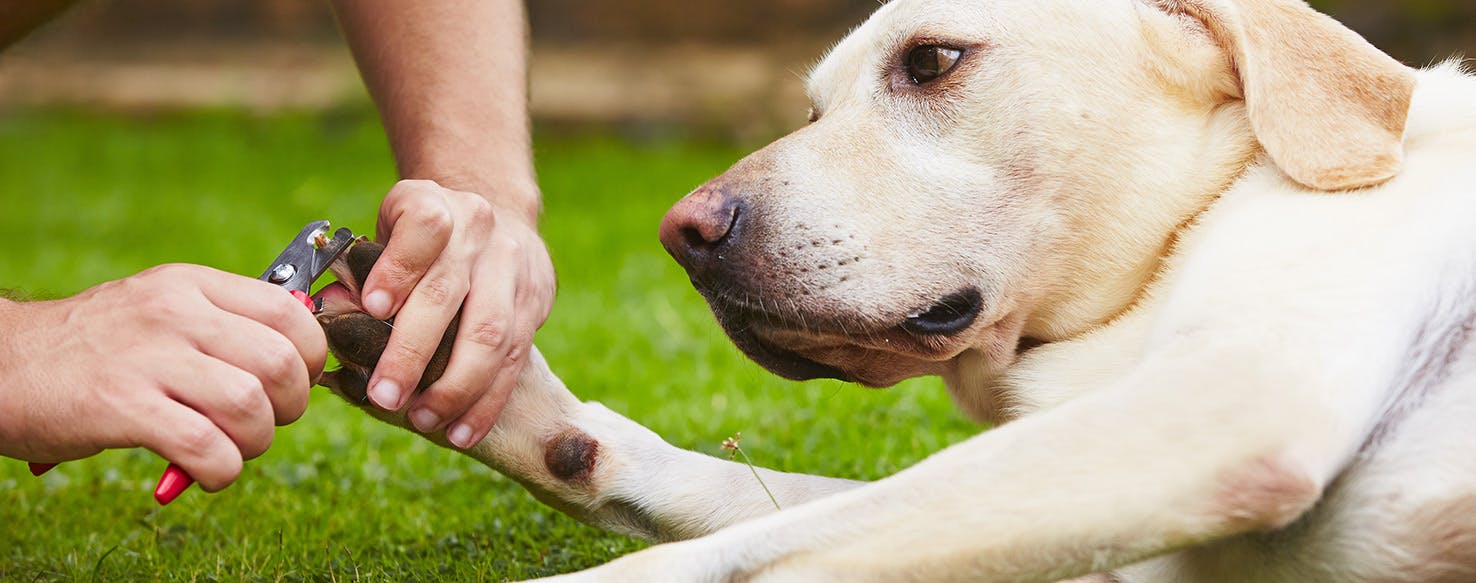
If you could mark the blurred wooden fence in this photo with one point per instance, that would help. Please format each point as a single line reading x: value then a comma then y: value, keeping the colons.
x: 734, y: 62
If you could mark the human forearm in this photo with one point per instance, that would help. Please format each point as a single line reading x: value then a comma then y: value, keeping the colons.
x: 450, y: 81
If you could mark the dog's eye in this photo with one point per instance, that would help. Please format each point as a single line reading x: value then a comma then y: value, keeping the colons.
x: 928, y: 62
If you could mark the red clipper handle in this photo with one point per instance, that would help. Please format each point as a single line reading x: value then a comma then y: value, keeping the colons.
x: 303, y: 297
x: 173, y: 483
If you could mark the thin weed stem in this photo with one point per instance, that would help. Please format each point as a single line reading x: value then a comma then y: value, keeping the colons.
x: 731, y: 444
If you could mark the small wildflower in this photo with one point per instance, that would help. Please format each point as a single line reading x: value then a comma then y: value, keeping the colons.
x: 731, y: 444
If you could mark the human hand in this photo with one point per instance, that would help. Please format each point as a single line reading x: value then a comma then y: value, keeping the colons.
x: 447, y: 250
x: 195, y: 364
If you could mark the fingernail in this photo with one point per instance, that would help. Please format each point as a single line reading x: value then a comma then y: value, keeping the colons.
x: 424, y: 419
x: 386, y: 394
x: 377, y: 303
x: 460, y: 435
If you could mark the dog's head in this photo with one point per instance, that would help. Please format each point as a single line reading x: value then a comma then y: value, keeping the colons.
x: 977, y: 172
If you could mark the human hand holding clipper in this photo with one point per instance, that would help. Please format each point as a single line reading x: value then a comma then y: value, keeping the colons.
x: 239, y: 336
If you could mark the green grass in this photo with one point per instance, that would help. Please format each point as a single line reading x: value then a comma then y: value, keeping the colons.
x: 340, y: 497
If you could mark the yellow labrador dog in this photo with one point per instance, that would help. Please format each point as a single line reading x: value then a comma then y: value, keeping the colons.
x: 1212, y: 263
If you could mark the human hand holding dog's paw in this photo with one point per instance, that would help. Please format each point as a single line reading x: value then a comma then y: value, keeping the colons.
x: 446, y: 252
x: 358, y: 339
x: 195, y: 364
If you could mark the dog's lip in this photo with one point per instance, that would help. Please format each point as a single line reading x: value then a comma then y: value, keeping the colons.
x: 950, y: 314
x: 782, y: 337
x: 785, y: 363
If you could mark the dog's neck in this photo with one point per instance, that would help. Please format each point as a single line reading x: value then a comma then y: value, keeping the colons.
x: 1147, y: 206
x: 1117, y: 260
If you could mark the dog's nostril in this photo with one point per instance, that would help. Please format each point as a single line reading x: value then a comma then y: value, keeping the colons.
x: 699, y: 224
x: 950, y: 315
x: 710, y: 233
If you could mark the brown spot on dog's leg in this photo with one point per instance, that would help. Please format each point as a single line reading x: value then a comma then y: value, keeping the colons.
x: 570, y: 455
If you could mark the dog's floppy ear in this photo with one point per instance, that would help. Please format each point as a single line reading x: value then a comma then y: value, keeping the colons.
x: 1327, y: 106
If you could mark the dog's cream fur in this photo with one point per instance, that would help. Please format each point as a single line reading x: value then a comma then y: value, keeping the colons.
x: 1247, y: 373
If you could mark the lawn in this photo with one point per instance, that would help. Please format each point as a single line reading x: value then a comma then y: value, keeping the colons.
x: 85, y: 198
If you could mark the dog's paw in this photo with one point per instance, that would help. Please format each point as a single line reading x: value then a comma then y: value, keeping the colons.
x: 358, y: 339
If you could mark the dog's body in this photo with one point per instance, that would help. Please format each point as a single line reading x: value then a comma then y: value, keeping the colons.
x: 1111, y: 225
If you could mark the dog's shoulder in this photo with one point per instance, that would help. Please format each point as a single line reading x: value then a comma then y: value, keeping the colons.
x: 1272, y: 253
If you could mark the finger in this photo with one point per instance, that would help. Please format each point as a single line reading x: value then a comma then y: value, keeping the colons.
x: 472, y: 427
x: 416, y: 224
x: 483, y: 340
x: 417, y: 333
x: 254, y: 349
x: 183, y: 436
x: 270, y: 306
x: 232, y: 399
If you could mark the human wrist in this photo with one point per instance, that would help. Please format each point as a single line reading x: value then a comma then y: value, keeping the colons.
x: 511, y: 198
x: 524, y: 203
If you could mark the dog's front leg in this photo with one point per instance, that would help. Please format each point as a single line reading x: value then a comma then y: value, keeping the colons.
x: 1175, y: 454
x: 611, y: 472
x: 581, y: 458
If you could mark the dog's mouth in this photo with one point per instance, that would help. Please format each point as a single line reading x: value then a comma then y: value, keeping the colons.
x: 797, y: 345
x: 785, y: 363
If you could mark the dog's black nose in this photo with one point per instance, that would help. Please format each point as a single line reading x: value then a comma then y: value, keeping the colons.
x: 700, y: 226
x: 950, y: 315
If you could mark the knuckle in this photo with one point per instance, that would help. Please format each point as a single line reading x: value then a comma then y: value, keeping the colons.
x: 477, y: 209
x: 399, y: 269
x: 281, y: 361
x: 417, y: 185
x: 515, y: 246
x: 514, y: 358
x: 162, y: 308
x: 440, y: 290
x: 489, y: 333
x: 278, y: 306
x: 243, y: 397
x: 433, y: 218
x: 170, y: 270
x: 408, y: 352
x: 198, y: 438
